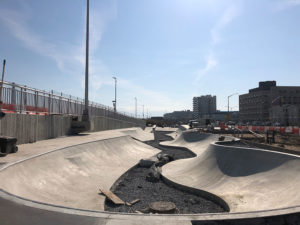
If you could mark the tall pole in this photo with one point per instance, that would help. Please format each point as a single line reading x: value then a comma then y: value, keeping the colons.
x: 115, y: 102
x: 86, y: 99
x: 228, y: 101
x: 135, y: 107
x: 2, y: 80
x: 143, y: 113
x: 228, y: 104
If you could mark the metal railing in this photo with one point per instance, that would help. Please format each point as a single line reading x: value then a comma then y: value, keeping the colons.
x: 22, y: 99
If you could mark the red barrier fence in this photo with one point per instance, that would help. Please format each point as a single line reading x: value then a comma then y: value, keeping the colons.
x: 295, y: 130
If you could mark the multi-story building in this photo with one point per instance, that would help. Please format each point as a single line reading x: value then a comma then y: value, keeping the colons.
x: 204, y: 105
x: 259, y: 103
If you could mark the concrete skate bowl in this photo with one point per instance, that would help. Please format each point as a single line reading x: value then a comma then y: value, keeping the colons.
x: 139, y: 134
x: 175, y: 132
x: 251, y: 181
x: 61, y: 186
x: 193, y: 140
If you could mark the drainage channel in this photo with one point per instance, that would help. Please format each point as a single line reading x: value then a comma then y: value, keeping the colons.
x: 152, y: 194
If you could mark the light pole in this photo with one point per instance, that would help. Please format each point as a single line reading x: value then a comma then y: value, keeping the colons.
x: 115, y: 101
x: 135, y: 107
x: 2, y: 80
x: 86, y: 99
x: 228, y: 101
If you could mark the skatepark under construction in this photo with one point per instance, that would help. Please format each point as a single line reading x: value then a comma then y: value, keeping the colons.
x: 57, y: 181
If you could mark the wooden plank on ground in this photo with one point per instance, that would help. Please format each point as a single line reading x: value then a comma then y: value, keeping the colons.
x: 111, y: 196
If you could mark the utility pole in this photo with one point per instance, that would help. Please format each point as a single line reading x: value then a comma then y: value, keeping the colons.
x: 115, y: 101
x: 2, y: 80
x: 228, y: 102
x: 135, y: 107
x: 86, y: 99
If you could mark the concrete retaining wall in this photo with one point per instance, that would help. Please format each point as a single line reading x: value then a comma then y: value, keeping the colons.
x: 32, y: 128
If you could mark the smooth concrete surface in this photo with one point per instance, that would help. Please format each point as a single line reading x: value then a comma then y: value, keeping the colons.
x: 247, y: 179
x: 193, y: 140
x: 72, y: 176
x: 60, y: 185
x: 139, y: 134
x: 31, y: 149
x: 167, y: 129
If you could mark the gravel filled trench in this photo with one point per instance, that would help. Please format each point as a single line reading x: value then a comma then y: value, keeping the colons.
x: 134, y: 185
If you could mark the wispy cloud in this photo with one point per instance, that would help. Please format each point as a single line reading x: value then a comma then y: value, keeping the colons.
x: 228, y: 15
x: 69, y: 56
x: 285, y: 4
x: 16, y: 22
x: 210, y: 64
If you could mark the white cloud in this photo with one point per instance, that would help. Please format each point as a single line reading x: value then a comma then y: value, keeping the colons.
x: 17, y: 23
x: 229, y: 14
x: 69, y: 57
x: 210, y: 64
x: 285, y: 4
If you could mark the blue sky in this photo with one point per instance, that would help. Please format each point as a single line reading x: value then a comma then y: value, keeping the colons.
x: 162, y: 52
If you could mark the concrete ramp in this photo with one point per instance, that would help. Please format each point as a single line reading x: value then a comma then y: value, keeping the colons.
x: 193, y: 140
x: 247, y: 179
x: 72, y: 176
x: 139, y: 134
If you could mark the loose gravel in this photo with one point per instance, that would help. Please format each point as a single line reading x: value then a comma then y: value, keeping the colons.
x: 133, y: 185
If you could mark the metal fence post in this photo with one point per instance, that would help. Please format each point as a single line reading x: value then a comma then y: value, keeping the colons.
x: 49, y: 102
x: 59, y: 104
x: 21, y: 101
x: 25, y: 98
x: 44, y: 101
x: 76, y: 106
x: 36, y: 101
x: 69, y: 102
x: 13, y: 96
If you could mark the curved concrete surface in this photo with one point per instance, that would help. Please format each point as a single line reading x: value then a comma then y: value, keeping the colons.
x: 193, y: 140
x: 177, y: 132
x: 61, y: 186
x: 247, y: 179
x: 72, y: 176
x: 139, y: 134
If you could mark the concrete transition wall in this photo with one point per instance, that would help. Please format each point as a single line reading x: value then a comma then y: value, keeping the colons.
x: 32, y: 128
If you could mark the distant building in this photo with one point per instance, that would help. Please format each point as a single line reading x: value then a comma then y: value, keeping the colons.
x: 225, y: 116
x: 183, y: 116
x: 204, y: 106
x: 288, y: 115
x: 265, y: 102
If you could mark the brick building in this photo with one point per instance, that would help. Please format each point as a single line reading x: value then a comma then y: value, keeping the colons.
x: 259, y: 104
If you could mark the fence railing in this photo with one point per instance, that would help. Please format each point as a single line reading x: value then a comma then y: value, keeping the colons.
x: 22, y: 99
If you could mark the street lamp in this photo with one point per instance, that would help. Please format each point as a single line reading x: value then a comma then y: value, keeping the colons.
x: 228, y: 101
x: 86, y: 99
x: 115, y: 101
x: 135, y: 107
